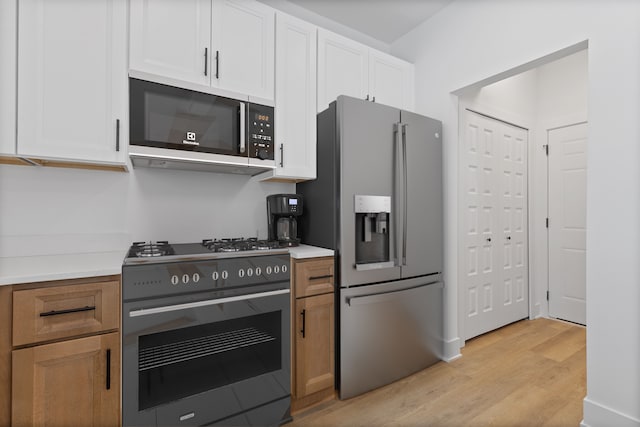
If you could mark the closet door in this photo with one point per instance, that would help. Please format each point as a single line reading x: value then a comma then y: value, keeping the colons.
x: 494, y: 202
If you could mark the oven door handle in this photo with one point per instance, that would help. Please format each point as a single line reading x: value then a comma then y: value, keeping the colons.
x: 185, y: 306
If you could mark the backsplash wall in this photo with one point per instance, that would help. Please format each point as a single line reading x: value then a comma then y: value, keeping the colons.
x: 52, y: 210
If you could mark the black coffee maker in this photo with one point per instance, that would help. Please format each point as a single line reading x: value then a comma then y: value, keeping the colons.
x: 282, y: 210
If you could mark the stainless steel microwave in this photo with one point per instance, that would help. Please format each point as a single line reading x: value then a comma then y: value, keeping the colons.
x: 175, y: 127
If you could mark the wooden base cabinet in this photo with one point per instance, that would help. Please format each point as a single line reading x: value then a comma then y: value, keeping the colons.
x: 69, y: 383
x: 314, y: 332
x: 60, y: 353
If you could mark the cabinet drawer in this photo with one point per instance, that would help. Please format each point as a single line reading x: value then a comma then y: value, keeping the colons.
x: 64, y: 311
x: 313, y: 277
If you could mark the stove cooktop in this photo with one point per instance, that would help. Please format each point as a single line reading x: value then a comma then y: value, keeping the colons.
x: 163, y: 251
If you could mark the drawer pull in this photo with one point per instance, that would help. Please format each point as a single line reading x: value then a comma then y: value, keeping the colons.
x: 71, y: 310
x: 326, y: 276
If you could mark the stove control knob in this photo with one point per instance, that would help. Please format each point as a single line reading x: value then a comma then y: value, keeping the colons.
x: 241, y: 272
x: 225, y: 274
x: 174, y: 280
x: 185, y: 278
x: 249, y: 272
x: 276, y: 269
x: 195, y: 277
x: 284, y: 268
x: 258, y: 271
x: 268, y: 269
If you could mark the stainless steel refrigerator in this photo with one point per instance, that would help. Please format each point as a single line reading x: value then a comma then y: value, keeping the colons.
x: 377, y: 202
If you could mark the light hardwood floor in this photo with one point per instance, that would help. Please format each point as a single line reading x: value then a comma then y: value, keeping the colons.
x: 530, y: 373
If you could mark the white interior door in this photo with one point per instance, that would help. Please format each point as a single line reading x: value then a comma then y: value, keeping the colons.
x: 494, y: 221
x: 567, y: 222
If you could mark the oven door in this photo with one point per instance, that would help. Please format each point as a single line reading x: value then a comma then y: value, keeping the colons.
x: 194, y: 361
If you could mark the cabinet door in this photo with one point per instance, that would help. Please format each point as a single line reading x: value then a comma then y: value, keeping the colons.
x: 391, y: 80
x: 70, y: 383
x: 243, y: 43
x: 72, y: 80
x: 342, y: 68
x: 295, y: 114
x: 8, y: 34
x: 315, y: 347
x: 172, y: 38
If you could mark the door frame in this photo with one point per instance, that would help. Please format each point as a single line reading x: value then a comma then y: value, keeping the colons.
x: 512, y: 120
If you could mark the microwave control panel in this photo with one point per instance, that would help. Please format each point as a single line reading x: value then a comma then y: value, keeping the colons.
x: 260, y: 132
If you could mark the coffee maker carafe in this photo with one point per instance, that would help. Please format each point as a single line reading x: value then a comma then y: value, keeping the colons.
x: 282, y: 210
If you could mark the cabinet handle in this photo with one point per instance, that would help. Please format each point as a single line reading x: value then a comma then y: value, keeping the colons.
x: 117, y: 134
x: 326, y: 276
x: 217, y: 64
x: 71, y: 310
x: 108, y: 369
x: 374, y: 99
x: 206, y: 60
x: 281, y: 155
x: 303, y: 313
x: 367, y: 98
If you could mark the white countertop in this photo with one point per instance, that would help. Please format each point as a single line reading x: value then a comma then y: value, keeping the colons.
x: 42, y: 268
x: 306, y: 251
x: 26, y: 269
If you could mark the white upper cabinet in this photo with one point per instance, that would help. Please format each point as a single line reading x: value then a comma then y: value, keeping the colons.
x: 243, y: 47
x: 72, y: 80
x: 8, y: 11
x: 342, y: 68
x: 172, y: 38
x: 295, y: 110
x: 228, y: 44
x: 391, y: 80
x: 346, y: 67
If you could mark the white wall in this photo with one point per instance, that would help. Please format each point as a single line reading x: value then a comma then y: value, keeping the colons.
x: 74, y: 211
x: 469, y: 42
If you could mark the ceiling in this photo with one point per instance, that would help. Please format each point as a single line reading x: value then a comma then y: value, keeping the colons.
x: 384, y: 20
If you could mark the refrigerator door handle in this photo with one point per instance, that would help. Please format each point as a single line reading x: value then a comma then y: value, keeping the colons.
x: 404, y: 194
x: 396, y: 193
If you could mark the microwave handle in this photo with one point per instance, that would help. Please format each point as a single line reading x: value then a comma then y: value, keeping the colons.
x: 242, y: 126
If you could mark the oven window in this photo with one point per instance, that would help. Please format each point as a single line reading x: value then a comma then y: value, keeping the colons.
x: 183, y: 362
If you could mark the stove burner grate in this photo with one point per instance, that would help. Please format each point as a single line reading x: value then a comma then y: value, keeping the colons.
x: 239, y: 244
x: 150, y: 249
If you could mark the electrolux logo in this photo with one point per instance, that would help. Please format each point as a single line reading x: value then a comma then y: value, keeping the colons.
x: 191, y: 139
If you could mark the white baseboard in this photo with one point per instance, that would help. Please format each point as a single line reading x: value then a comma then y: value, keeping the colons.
x: 451, y: 350
x: 597, y: 415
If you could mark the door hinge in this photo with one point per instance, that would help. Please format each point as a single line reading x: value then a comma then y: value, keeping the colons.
x: 547, y: 295
x: 546, y: 149
x: 546, y: 222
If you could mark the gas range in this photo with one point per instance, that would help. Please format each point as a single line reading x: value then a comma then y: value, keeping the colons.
x: 163, y: 251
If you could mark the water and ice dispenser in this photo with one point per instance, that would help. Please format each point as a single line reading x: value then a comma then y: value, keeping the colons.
x: 372, y: 232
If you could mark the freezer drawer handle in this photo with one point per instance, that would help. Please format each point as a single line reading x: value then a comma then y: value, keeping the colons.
x: 185, y: 306
x: 303, y: 313
x: 384, y: 296
x: 70, y: 310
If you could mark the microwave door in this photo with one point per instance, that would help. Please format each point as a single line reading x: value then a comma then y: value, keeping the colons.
x: 180, y: 119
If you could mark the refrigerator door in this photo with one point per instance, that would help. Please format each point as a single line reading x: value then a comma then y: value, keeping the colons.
x: 421, y: 200
x: 388, y: 331
x: 367, y: 147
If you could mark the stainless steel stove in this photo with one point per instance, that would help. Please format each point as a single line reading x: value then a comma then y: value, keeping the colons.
x: 206, y: 337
